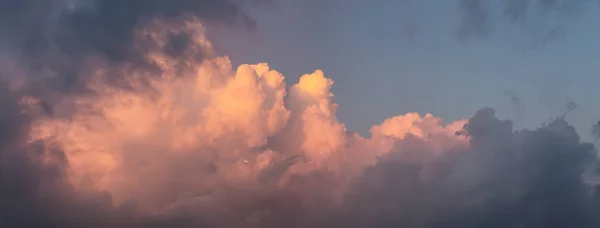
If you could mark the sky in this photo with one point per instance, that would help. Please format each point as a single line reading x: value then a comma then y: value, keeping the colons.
x: 219, y: 113
x: 407, y: 55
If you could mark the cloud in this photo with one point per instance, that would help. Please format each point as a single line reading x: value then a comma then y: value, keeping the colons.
x: 197, y: 142
x: 504, y: 179
x: 515, y: 101
x: 63, y: 39
x: 596, y: 130
x: 481, y: 17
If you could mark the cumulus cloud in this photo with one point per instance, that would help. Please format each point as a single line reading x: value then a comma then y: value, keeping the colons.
x: 197, y: 142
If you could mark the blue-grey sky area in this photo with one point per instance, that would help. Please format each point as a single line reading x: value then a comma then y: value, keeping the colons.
x: 393, y: 57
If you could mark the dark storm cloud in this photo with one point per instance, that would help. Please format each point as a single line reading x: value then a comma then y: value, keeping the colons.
x: 61, y: 37
x: 104, y: 26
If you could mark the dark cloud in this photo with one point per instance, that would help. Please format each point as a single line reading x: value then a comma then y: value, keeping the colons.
x: 516, y: 10
x: 62, y: 38
x: 515, y: 101
x: 475, y: 21
x: 477, y: 16
x: 507, y: 179
x: 569, y: 106
x: 596, y: 130
x: 33, y: 187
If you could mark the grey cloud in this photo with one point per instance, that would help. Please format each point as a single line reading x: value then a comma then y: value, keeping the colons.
x: 596, y: 130
x: 515, y: 101
x: 62, y: 38
x: 527, y: 178
x: 477, y: 16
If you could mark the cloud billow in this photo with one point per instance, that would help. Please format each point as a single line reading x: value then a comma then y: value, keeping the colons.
x: 155, y: 130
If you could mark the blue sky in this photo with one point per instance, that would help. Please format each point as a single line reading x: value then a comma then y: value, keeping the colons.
x: 392, y: 57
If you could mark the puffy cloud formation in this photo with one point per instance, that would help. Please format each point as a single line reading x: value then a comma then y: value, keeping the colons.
x: 194, y: 142
x: 204, y: 144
